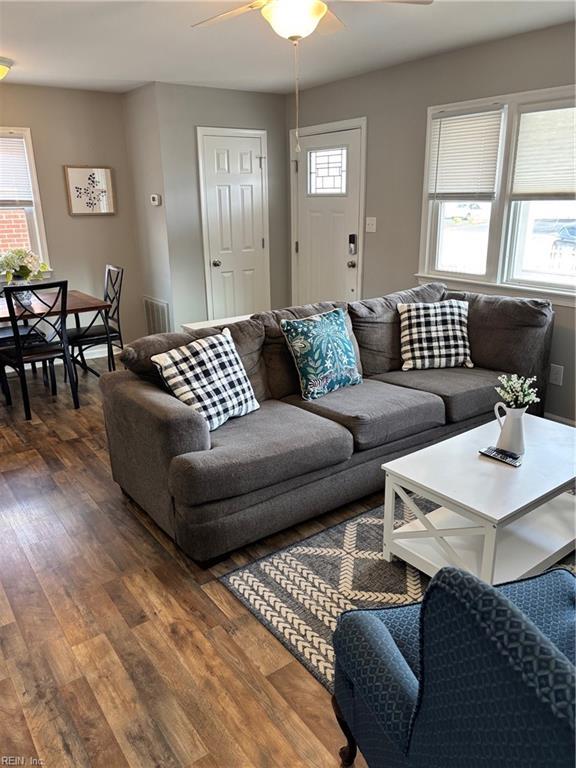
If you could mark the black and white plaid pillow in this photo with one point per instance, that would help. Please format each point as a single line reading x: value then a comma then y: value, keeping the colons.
x: 209, y: 376
x: 434, y: 335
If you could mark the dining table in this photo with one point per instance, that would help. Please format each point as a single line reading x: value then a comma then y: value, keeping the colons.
x: 77, y: 303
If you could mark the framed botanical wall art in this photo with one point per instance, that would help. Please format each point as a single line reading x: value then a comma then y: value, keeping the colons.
x: 90, y: 191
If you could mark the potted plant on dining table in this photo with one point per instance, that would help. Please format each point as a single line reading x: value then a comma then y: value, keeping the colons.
x: 20, y: 266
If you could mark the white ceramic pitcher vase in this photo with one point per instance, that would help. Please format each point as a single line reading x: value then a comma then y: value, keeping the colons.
x: 511, y: 428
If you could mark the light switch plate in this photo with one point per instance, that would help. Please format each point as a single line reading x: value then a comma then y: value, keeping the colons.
x: 370, y: 223
x: 556, y: 375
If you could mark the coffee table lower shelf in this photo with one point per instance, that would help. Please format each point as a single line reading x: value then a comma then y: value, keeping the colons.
x: 524, y: 547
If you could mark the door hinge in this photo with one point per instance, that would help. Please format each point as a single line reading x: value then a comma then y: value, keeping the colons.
x: 296, y: 247
x: 296, y: 166
x: 261, y: 161
x: 263, y: 243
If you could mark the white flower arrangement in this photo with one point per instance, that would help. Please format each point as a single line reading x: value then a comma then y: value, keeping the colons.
x: 21, y: 263
x: 517, y: 391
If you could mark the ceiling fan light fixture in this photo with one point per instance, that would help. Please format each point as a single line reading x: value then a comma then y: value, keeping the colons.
x: 294, y: 19
x: 5, y: 67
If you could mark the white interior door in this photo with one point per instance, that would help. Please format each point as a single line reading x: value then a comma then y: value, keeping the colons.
x: 327, y: 199
x: 235, y: 220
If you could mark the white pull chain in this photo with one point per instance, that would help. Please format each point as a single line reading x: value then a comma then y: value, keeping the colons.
x: 297, y: 93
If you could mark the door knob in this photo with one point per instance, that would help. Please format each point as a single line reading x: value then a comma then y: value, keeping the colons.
x: 351, y: 264
x: 216, y: 263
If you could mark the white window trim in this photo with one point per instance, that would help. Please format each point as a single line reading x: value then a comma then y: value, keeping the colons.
x: 26, y: 134
x: 498, y: 269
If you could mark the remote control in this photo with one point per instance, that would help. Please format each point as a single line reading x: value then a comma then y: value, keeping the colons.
x: 513, y: 459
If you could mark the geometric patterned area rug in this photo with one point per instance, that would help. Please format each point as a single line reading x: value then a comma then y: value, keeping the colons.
x: 299, y: 592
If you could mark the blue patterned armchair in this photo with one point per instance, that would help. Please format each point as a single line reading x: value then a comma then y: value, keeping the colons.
x: 474, y: 677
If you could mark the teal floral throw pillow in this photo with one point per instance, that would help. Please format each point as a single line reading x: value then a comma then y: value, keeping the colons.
x: 323, y: 353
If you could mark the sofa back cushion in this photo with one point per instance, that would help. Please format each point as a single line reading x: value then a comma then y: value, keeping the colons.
x: 248, y: 337
x: 508, y: 334
x: 376, y: 325
x: 282, y: 375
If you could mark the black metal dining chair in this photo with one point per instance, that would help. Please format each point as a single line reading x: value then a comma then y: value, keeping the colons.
x: 104, y: 327
x: 44, y: 339
x: 7, y: 334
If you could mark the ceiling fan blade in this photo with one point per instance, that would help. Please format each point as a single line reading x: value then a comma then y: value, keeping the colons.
x: 253, y: 6
x: 330, y: 23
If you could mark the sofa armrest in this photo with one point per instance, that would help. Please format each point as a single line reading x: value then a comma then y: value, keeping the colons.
x: 378, y: 672
x: 147, y: 428
x: 146, y: 409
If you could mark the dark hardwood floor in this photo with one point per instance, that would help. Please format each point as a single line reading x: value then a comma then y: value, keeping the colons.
x: 115, y: 649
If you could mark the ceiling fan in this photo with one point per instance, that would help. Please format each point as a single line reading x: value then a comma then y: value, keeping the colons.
x: 295, y: 19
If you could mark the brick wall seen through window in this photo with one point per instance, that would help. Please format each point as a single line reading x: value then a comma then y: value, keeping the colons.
x: 13, y: 229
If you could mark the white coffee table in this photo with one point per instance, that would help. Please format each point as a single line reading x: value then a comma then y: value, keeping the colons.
x: 497, y: 521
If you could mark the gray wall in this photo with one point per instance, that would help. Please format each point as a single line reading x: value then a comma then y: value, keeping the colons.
x: 149, y: 137
x: 72, y: 127
x: 181, y: 109
x: 395, y: 101
x: 145, y: 161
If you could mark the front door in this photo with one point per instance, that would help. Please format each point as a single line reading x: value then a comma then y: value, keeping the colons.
x: 235, y: 214
x: 327, y: 200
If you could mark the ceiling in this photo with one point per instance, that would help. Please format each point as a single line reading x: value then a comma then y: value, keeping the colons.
x: 117, y: 46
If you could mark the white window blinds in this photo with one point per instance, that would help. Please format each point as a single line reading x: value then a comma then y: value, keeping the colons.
x: 464, y: 155
x: 15, y: 184
x: 545, y: 154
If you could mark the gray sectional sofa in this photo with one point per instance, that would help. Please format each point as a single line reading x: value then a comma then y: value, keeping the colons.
x: 293, y: 459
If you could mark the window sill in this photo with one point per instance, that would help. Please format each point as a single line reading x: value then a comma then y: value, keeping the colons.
x: 559, y: 298
x: 47, y: 275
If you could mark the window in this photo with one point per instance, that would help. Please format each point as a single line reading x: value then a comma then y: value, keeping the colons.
x: 461, y: 188
x: 327, y: 171
x: 500, y: 192
x: 542, y: 242
x: 463, y: 236
x: 20, y: 215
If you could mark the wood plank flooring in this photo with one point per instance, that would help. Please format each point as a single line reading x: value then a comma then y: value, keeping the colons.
x: 116, y: 650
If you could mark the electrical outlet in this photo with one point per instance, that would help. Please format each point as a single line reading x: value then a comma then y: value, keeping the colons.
x: 370, y: 223
x: 556, y: 375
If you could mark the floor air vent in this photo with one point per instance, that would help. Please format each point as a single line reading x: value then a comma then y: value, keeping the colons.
x: 157, y: 315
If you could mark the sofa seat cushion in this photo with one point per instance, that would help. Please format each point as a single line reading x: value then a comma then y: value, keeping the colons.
x: 377, y: 413
x: 466, y: 392
x: 270, y: 445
